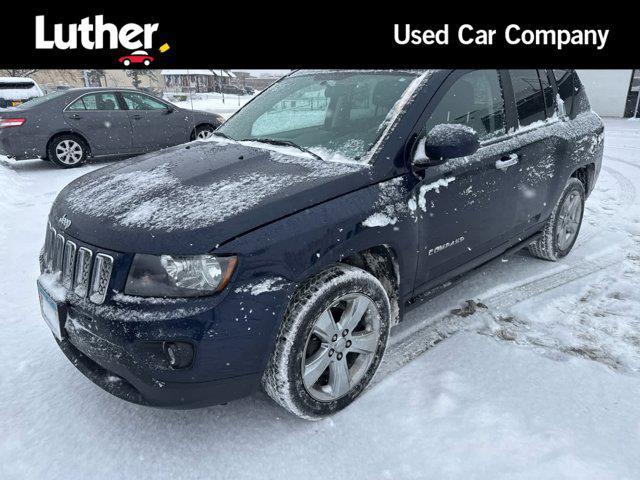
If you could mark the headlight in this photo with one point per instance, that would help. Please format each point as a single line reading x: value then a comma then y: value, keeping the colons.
x: 178, y: 275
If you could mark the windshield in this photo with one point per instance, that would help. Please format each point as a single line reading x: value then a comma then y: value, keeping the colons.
x: 332, y: 114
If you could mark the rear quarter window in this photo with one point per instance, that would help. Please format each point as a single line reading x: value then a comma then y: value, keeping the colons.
x: 565, y: 83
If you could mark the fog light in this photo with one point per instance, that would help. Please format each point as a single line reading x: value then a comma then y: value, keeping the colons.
x: 179, y: 354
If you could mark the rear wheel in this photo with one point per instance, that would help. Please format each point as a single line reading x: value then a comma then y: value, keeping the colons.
x: 68, y: 151
x: 562, y: 228
x: 331, y: 342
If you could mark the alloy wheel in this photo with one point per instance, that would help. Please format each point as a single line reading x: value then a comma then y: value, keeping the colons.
x: 204, y: 134
x: 69, y: 152
x: 569, y: 220
x: 341, y: 347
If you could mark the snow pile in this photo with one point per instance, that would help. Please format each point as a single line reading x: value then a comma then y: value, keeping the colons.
x: 379, y: 220
x: 430, y: 187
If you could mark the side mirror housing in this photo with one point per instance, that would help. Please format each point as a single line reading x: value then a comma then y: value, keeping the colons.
x: 170, y: 110
x: 444, y: 142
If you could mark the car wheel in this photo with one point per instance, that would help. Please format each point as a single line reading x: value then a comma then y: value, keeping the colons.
x: 330, y: 344
x: 561, y: 230
x: 127, y: 62
x: 202, y: 132
x: 68, y: 151
x: 147, y: 63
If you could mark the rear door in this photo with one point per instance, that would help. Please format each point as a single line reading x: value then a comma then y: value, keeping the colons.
x: 101, y: 120
x: 538, y: 144
x: 465, y: 207
x: 155, y: 124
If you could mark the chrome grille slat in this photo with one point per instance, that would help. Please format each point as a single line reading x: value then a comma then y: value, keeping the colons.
x: 83, y: 272
x: 100, y: 279
x: 68, y: 267
x: 58, y: 254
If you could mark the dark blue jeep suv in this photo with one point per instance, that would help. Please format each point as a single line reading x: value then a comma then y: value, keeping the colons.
x: 281, y: 251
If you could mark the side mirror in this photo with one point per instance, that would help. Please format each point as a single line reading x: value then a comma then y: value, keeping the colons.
x: 444, y: 142
x: 170, y: 110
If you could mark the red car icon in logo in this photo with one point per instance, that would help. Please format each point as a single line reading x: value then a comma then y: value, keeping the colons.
x: 139, y: 56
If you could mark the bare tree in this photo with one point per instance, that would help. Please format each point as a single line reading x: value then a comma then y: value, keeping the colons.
x: 137, y: 73
x: 94, y: 77
x: 18, y: 72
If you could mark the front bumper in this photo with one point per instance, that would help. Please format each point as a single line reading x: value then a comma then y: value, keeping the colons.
x: 119, y: 344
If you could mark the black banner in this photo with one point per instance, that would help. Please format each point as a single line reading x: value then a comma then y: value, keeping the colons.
x: 200, y: 35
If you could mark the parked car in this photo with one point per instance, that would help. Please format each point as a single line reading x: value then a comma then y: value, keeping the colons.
x: 139, y: 56
x: 281, y: 251
x: 249, y: 90
x: 232, y: 90
x: 15, y: 91
x: 69, y: 126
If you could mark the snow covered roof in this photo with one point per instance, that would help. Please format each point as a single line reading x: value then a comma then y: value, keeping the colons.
x: 16, y: 79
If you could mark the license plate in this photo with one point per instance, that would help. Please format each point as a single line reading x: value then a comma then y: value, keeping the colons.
x: 50, y: 310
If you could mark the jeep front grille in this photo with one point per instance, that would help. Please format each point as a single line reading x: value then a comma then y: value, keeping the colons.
x: 82, y: 270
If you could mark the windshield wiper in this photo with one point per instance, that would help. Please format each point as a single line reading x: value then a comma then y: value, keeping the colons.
x: 220, y: 134
x: 285, y: 143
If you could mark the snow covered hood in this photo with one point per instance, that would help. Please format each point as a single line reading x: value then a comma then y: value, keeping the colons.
x: 211, y: 191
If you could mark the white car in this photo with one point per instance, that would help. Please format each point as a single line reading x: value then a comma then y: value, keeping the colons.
x: 17, y: 90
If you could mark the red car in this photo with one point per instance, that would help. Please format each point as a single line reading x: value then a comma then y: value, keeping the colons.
x: 139, y: 56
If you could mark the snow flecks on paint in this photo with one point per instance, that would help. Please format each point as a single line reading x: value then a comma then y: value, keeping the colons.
x: 391, y: 205
x: 273, y: 284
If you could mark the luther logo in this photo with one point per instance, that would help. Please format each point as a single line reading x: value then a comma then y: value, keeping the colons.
x: 94, y: 35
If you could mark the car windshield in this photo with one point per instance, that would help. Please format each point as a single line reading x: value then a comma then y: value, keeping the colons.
x: 38, y: 100
x: 333, y: 114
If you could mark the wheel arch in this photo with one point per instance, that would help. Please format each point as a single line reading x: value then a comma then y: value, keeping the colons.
x: 585, y: 174
x: 69, y: 132
x: 381, y: 261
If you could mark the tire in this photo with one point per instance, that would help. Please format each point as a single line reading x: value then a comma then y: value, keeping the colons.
x: 127, y: 62
x: 147, y: 63
x: 315, y: 342
x: 68, y: 151
x: 555, y: 241
x: 202, y: 132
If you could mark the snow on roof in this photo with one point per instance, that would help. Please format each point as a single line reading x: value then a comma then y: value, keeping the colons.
x: 16, y: 79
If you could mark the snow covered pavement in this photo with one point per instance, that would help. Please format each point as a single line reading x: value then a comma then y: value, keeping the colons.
x: 539, y: 380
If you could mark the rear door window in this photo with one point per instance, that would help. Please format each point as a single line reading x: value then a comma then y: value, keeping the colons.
x: 474, y: 100
x: 96, y: 101
x: 529, y: 97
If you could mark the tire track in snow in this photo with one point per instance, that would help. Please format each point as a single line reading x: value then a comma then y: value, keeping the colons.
x: 407, y: 344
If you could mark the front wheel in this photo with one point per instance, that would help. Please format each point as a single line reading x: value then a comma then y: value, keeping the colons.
x: 562, y: 228
x: 202, y: 132
x: 68, y: 151
x: 330, y: 345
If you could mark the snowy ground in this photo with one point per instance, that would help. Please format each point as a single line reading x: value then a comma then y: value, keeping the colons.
x: 543, y: 383
x: 225, y: 105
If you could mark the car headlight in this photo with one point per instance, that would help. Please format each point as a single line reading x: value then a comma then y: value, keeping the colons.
x: 178, y: 275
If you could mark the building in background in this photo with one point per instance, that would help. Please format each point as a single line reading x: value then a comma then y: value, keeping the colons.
x: 612, y: 93
x: 195, y: 80
x: 246, y: 79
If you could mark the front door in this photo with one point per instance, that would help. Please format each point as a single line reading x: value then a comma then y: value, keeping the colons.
x: 99, y: 118
x: 155, y: 124
x: 465, y: 207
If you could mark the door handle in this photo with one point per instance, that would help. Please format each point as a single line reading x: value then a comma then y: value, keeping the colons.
x: 136, y: 117
x: 507, y: 161
x: 75, y: 116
